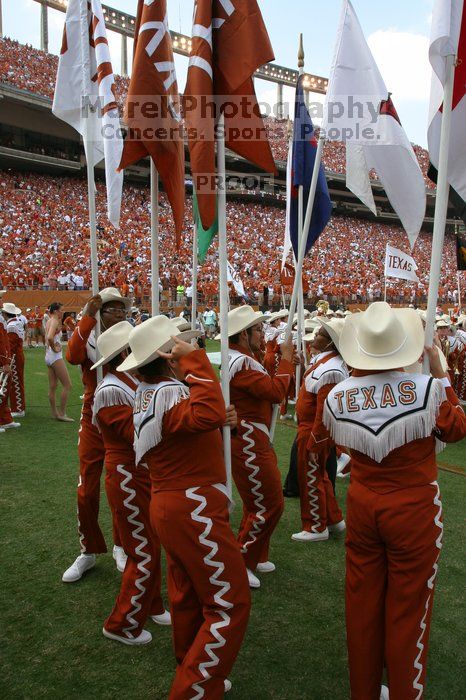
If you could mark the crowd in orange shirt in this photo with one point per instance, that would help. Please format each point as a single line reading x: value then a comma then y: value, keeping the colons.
x: 30, y: 69
x: 44, y: 239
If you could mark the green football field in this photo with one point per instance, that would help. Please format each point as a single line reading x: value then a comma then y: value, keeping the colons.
x: 51, y: 640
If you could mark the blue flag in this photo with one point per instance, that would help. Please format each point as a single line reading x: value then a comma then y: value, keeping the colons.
x: 303, y: 159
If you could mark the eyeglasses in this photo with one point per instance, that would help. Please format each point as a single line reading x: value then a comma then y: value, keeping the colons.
x: 114, y: 311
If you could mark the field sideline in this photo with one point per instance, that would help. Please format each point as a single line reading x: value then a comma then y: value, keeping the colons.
x: 51, y: 640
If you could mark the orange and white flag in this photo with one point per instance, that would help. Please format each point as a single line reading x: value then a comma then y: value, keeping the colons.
x: 85, y: 94
x: 229, y: 43
x: 152, y: 110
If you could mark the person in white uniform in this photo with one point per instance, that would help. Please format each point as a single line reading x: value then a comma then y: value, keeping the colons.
x: 56, y: 366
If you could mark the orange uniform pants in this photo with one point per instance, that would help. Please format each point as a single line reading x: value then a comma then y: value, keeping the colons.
x: 91, y: 453
x: 16, y: 383
x: 128, y: 492
x: 258, y: 480
x: 207, y: 586
x: 319, y: 506
x: 392, y: 548
x: 5, y: 413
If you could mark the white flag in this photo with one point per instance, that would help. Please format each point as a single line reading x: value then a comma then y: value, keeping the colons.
x: 400, y: 264
x: 235, y: 279
x: 289, y: 184
x: 448, y: 36
x: 359, y: 111
x: 84, y: 94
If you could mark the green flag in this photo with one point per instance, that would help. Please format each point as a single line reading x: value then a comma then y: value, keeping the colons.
x: 204, y: 238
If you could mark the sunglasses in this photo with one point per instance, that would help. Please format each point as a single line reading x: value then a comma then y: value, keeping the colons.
x: 112, y: 310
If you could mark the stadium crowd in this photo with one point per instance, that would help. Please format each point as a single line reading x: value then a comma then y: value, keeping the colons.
x: 27, y: 68
x: 44, y: 244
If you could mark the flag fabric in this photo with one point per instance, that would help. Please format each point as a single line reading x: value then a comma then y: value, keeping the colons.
x: 455, y: 200
x: 448, y: 36
x: 85, y: 94
x: 461, y: 251
x: 235, y: 279
x: 302, y: 163
x: 229, y: 43
x: 287, y: 275
x: 399, y: 264
x: 152, y: 110
x: 204, y: 237
x: 359, y: 110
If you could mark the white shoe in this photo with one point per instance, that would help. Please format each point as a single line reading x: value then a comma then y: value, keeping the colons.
x: 253, y: 580
x: 384, y: 695
x: 19, y: 414
x: 265, y: 567
x: 120, y: 557
x: 79, y: 566
x: 227, y: 685
x: 164, y: 619
x: 305, y: 536
x: 144, y: 638
x: 337, y: 528
x: 7, y: 426
x: 342, y: 461
x: 2, y: 430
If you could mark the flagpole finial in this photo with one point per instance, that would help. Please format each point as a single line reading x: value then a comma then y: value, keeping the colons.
x: 301, y: 52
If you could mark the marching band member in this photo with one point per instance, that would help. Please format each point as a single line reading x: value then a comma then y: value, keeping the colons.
x: 276, y: 324
x: 254, y: 462
x: 320, y: 513
x: 81, y: 351
x: 178, y: 413
x: 390, y: 420
x: 128, y: 492
x: 453, y: 344
x: 15, y: 329
x: 6, y: 421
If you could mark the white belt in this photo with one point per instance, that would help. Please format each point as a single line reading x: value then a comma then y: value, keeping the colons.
x: 263, y: 427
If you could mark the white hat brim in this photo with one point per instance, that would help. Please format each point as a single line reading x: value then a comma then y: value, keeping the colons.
x: 411, y: 351
x: 104, y: 360
x: 334, y: 336
x: 131, y: 363
x: 259, y: 319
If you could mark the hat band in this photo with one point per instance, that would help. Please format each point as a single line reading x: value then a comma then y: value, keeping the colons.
x: 385, y: 354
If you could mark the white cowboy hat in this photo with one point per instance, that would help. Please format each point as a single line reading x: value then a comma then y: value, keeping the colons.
x: 112, y: 294
x: 334, y: 328
x: 348, y: 313
x: 181, y: 324
x: 310, y: 324
x: 443, y: 323
x: 242, y: 318
x: 2, y: 292
x: 10, y: 308
x: 309, y: 337
x: 112, y: 342
x: 382, y: 338
x: 150, y: 338
x: 283, y: 313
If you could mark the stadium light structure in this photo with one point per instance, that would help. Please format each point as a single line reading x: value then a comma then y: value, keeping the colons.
x: 123, y: 24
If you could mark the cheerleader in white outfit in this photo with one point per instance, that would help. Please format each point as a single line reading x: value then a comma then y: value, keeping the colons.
x: 56, y: 366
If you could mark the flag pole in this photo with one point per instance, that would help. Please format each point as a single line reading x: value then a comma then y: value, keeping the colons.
x: 93, y: 238
x: 154, y: 239
x: 300, y: 236
x: 224, y: 296
x: 441, y: 206
x: 194, y: 280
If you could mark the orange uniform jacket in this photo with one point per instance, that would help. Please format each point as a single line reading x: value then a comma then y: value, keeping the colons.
x: 5, y: 354
x: 77, y: 354
x: 189, y: 427
x: 253, y: 392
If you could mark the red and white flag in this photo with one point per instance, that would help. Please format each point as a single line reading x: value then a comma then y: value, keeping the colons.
x: 85, y: 94
x: 360, y: 111
x: 448, y: 36
x: 152, y: 110
x: 229, y: 43
x: 399, y: 264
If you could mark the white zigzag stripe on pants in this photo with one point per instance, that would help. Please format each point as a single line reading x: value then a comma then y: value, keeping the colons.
x: 218, y: 597
x: 80, y: 482
x: 16, y: 386
x: 248, y: 450
x: 313, y: 495
x: 146, y: 558
x: 430, y: 585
